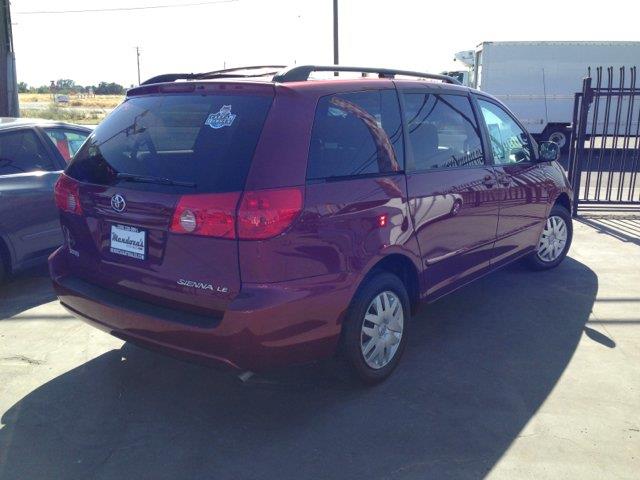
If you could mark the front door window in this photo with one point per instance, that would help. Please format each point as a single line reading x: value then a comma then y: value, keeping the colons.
x: 509, y: 143
x: 22, y: 152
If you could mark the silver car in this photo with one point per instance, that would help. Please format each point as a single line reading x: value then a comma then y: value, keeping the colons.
x: 32, y: 155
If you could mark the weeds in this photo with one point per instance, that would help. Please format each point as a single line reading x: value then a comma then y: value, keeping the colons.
x: 53, y: 112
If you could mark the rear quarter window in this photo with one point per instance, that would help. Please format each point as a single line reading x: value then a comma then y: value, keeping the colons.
x: 66, y: 141
x: 207, y: 140
x: 356, y: 134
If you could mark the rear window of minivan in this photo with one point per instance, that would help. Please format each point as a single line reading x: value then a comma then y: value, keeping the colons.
x: 204, y: 140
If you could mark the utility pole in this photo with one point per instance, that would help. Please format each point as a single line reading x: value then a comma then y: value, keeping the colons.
x: 336, y: 57
x: 8, y: 82
x: 138, y: 60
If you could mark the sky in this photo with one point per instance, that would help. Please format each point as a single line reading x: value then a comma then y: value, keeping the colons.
x: 410, y: 34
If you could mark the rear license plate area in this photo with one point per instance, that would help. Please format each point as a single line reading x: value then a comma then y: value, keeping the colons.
x: 128, y: 241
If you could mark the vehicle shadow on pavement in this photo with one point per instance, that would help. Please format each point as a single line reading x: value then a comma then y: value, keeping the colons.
x: 478, y: 366
x: 625, y: 228
x: 25, y: 290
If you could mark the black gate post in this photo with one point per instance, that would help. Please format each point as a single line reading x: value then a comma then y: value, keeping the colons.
x: 577, y: 147
x: 572, y: 139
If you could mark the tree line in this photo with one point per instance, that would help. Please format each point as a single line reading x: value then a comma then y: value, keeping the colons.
x: 68, y: 86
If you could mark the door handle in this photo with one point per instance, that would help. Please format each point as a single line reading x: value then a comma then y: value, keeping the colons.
x: 489, y: 181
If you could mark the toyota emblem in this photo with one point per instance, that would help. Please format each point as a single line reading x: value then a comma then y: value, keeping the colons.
x: 118, y: 203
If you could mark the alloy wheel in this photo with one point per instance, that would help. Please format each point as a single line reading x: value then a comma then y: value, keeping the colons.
x: 553, y: 239
x: 382, y: 329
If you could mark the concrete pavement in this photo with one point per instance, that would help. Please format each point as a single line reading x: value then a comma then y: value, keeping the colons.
x: 520, y: 375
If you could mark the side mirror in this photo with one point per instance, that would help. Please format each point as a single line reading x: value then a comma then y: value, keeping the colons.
x: 548, y: 151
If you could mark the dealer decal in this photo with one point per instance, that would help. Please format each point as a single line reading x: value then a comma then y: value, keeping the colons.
x: 224, y: 118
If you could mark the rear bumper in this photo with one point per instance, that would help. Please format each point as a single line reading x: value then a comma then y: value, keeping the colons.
x: 265, y: 326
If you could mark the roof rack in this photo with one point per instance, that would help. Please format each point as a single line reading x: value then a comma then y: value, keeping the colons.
x: 301, y: 73
x: 226, y: 73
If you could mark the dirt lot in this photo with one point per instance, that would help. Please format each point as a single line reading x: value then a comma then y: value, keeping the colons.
x: 520, y: 375
x: 82, y: 110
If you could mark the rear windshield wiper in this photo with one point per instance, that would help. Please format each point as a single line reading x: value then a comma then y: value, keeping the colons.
x: 130, y: 177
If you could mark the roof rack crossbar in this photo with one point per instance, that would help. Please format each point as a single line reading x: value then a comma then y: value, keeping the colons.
x: 238, y: 69
x: 225, y: 73
x: 168, y: 77
x: 301, y: 73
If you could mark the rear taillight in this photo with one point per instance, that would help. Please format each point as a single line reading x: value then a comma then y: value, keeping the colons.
x: 67, y: 195
x: 267, y: 213
x: 211, y: 215
x: 258, y: 215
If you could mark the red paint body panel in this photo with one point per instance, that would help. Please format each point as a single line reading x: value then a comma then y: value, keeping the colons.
x: 337, y: 232
x: 265, y: 326
x: 170, y: 256
x: 528, y: 193
x: 455, y: 217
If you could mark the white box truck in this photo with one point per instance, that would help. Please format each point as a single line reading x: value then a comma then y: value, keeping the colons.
x: 538, y: 80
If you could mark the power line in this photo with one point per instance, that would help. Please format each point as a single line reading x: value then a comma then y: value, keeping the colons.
x: 122, y: 9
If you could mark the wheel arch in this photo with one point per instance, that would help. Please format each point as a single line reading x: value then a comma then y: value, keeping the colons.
x: 404, y: 268
x: 564, y: 201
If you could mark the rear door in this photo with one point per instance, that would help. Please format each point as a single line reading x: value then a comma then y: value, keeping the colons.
x: 150, y: 154
x: 452, y: 189
x: 28, y: 216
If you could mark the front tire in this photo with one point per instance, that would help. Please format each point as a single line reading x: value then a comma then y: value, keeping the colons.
x: 375, y: 329
x: 555, y: 240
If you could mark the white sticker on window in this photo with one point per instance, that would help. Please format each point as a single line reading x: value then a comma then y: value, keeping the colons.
x: 336, y: 112
x: 224, y: 118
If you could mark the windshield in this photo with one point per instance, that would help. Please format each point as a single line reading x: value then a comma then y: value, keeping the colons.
x: 202, y: 140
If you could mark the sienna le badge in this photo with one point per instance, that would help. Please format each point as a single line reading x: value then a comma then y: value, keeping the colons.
x: 224, y: 118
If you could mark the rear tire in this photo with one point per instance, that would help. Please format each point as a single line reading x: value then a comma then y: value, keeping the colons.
x: 375, y: 329
x: 555, y: 240
x: 455, y: 209
x: 560, y: 135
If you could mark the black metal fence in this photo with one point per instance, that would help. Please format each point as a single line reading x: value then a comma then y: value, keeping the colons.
x: 604, y: 155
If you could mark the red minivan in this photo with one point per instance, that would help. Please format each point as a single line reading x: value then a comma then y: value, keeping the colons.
x: 262, y: 216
